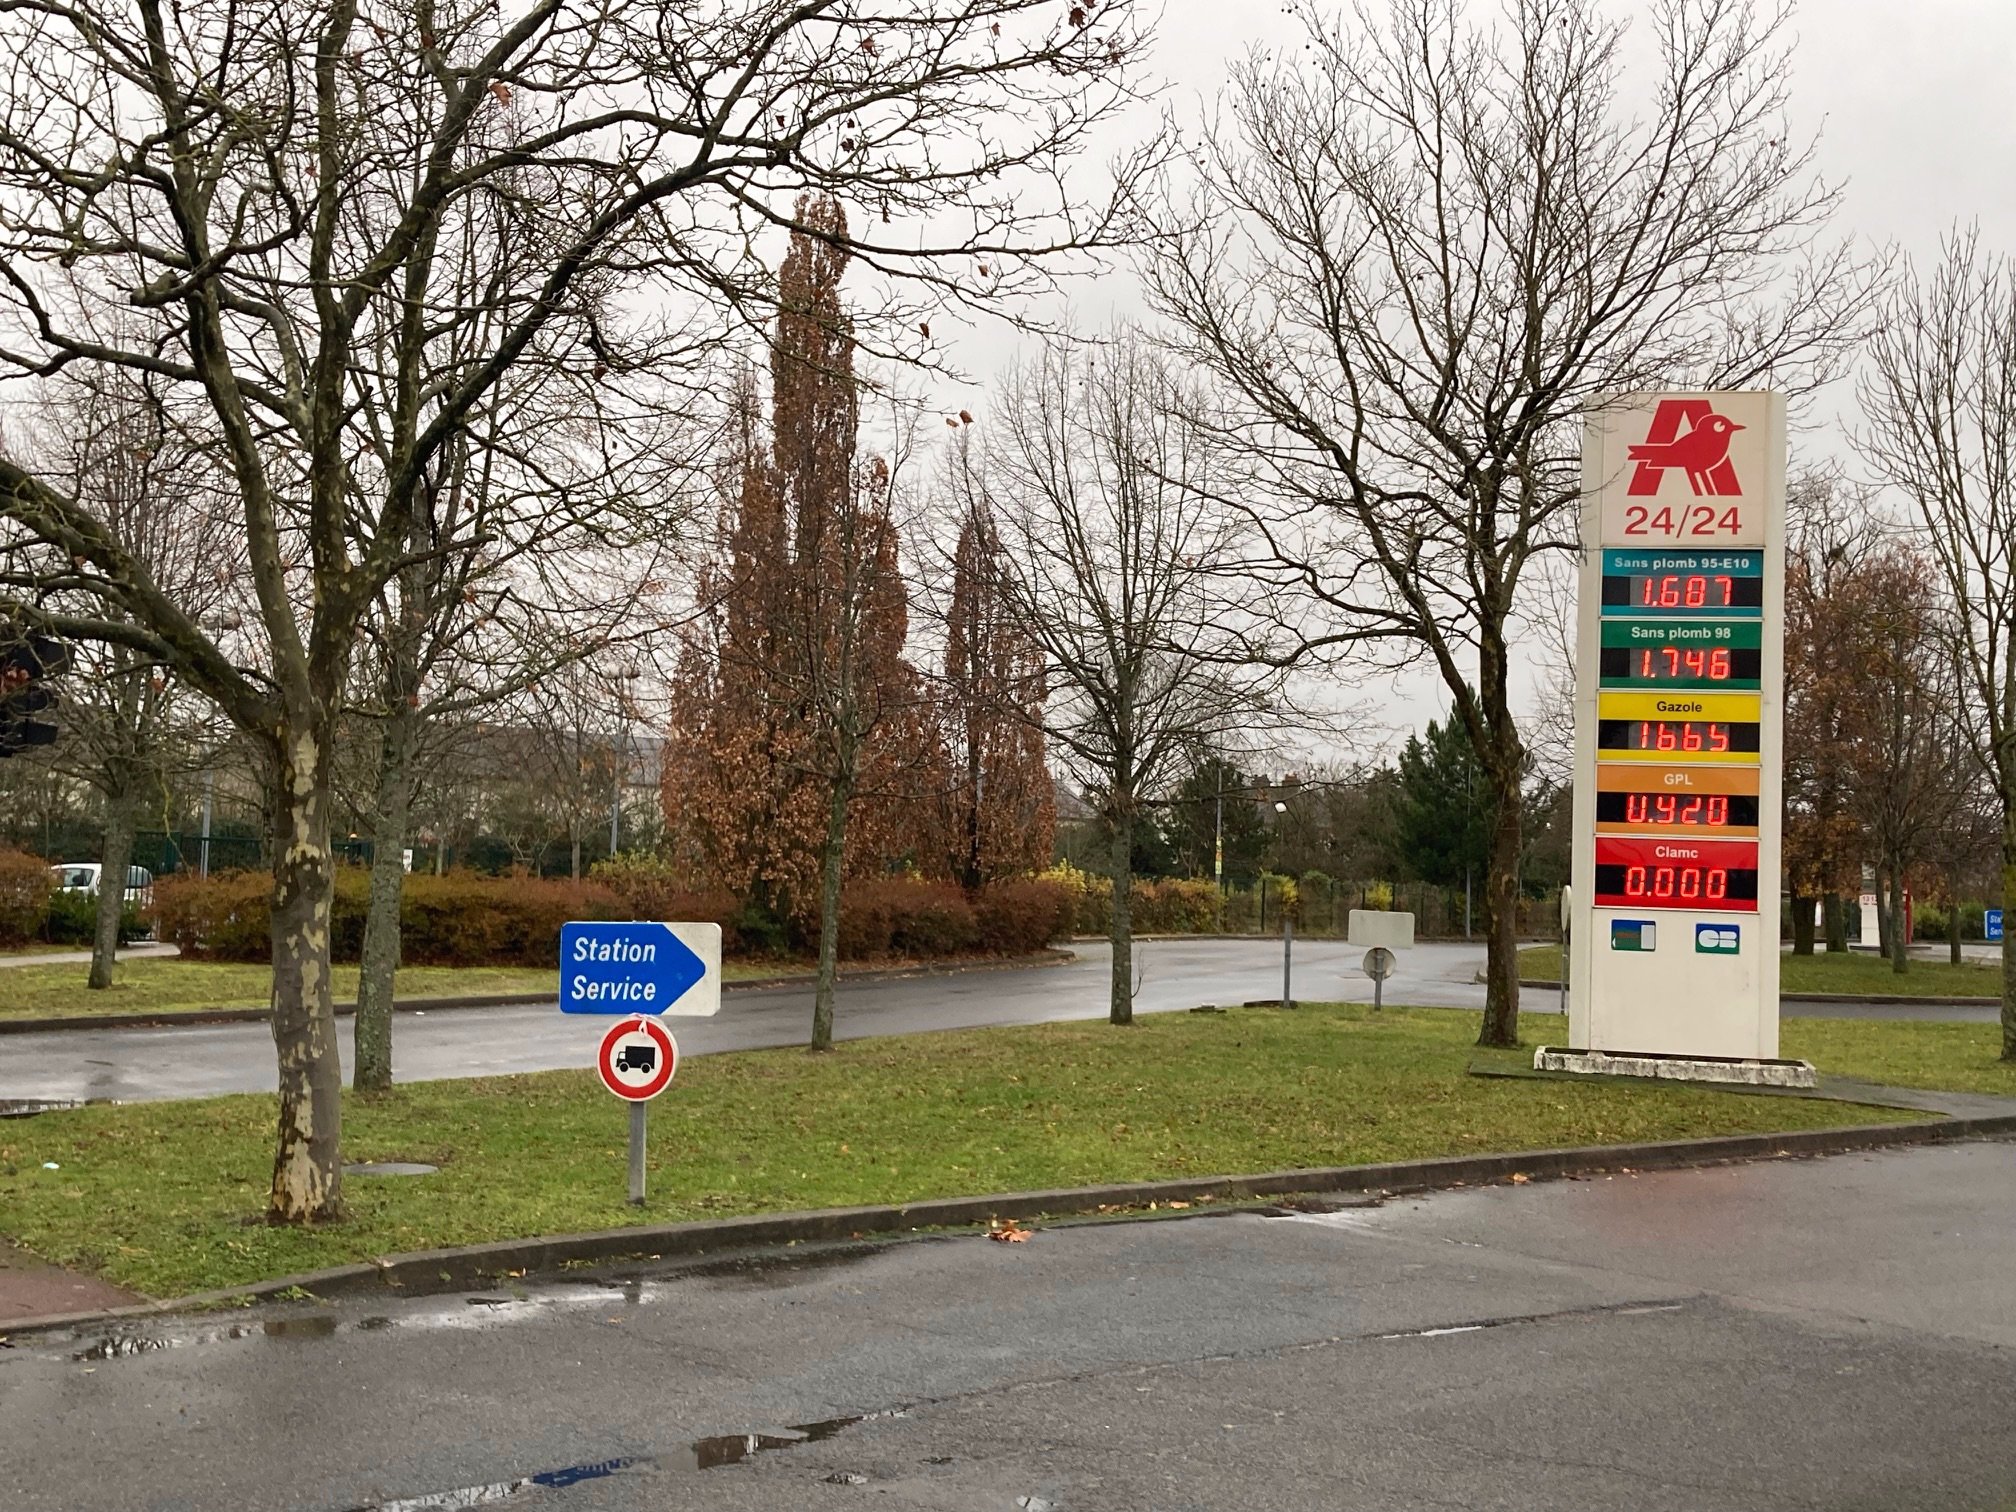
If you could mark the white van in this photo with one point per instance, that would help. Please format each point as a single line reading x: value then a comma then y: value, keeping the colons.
x: 82, y: 877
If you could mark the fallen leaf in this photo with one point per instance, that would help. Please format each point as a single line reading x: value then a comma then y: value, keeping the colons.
x: 1520, y: 1178
x: 1009, y: 1233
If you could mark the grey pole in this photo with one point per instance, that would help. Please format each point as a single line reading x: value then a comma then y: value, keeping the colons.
x: 1378, y: 994
x: 637, y: 1154
x: 209, y: 793
x: 1218, y: 849
x: 1287, y: 959
x: 616, y: 787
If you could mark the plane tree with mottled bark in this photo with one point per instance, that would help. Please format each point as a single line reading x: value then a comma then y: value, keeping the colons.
x: 265, y: 196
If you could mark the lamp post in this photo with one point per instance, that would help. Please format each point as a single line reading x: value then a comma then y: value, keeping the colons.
x: 1287, y: 937
x: 1218, y: 847
x: 624, y: 697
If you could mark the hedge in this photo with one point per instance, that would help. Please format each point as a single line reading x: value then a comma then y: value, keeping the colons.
x: 443, y: 921
x: 26, y: 884
x: 467, y: 920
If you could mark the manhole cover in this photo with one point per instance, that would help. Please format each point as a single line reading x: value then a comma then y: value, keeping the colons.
x: 390, y: 1168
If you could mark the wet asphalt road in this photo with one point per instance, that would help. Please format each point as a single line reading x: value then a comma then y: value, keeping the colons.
x: 148, y: 1064
x: 143, y: 1064
x: 1834, y: 1334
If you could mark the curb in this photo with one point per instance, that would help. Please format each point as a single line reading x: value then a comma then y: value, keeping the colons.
x: 1879, y: 999
x: 450, y: 1269
x: 198, y: 1016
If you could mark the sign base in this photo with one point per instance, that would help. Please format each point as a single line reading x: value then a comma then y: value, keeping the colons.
x: 1730, y: 1070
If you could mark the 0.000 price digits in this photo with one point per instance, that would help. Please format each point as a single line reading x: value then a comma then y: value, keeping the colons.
x: 1681, y: 882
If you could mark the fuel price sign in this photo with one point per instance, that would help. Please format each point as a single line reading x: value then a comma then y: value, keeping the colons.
x: 1678, y: 724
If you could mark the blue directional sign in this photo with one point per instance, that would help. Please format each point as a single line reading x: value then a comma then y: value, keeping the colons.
x: 1992, y: 920
x: 640, y: 967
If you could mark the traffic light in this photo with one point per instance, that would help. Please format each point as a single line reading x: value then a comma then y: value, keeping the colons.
x: 27, y: 660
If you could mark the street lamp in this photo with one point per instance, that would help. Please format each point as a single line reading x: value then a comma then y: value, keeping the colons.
x: 1287, y: 937
x: 624, y: 698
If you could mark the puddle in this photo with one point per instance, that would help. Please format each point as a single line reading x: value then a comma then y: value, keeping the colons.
x: 307, y: 1326
x: 706, y: 1454
x: 780, y: 1268
x: 733, y: 1448
x: 120, y: 1347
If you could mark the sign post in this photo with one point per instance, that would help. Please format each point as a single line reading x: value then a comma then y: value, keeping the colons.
x: 636, y: 1062
x: 1679, y: 699
x: 638, y: 970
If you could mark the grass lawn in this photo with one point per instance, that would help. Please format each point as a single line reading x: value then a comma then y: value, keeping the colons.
x: 1941, y: 1057
x: 165, y: 1197
x: 157, y: 984
x: 1851, y: 975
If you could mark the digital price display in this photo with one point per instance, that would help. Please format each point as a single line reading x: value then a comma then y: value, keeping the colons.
x: 1692, y: 591
x: 1707, y: 875
x: 1644, y: 798
x: 1723, y: 812
x: 1693, y: 737
x: 1680, y: 667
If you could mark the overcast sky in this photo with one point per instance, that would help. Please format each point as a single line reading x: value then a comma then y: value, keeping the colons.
x: 1910, y: 99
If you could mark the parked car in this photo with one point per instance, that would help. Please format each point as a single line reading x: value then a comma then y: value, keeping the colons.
x: 82, y: 877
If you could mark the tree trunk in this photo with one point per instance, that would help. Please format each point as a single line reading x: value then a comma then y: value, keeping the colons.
x: 1953, y: 918
x: 574, y: 841
x: 1900, y: 940
x: 2008, y: 935
x: 115, y: 855
x: 1501, y: 918
x: 1802, y: 925
x: 830, y: 855
x: 1120, y: 1001
x: 307, y: 1168
x: 1834, y: 915
x: 372, y: 1069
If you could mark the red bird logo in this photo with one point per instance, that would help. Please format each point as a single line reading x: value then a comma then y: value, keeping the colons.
x: 1702, y: 453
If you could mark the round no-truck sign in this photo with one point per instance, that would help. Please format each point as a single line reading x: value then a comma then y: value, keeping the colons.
x: 637, y: 1059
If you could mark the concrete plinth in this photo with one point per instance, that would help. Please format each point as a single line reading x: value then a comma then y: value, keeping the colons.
x: 1695, y: 1068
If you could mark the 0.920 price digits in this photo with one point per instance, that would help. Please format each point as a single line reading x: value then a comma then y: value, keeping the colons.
x: 1673, y: 808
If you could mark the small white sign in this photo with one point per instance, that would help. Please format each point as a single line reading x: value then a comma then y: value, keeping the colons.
x: 1378, y: 926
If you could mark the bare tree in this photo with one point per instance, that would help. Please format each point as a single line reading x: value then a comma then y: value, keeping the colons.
x: 1831, y: 530
x: 271, y: 199
x: 1939, y: 401
x: 1905, y: 783
x: 128, y: 724
x: 1422, y: 249
x: 1121, y: 567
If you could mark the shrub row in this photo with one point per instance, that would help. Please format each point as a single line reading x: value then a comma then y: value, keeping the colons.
x: 443, y: 921
x: 461, y: 920
x: 25, y: 886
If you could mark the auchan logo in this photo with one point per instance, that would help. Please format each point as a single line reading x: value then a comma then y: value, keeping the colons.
x: 1701, y: 451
